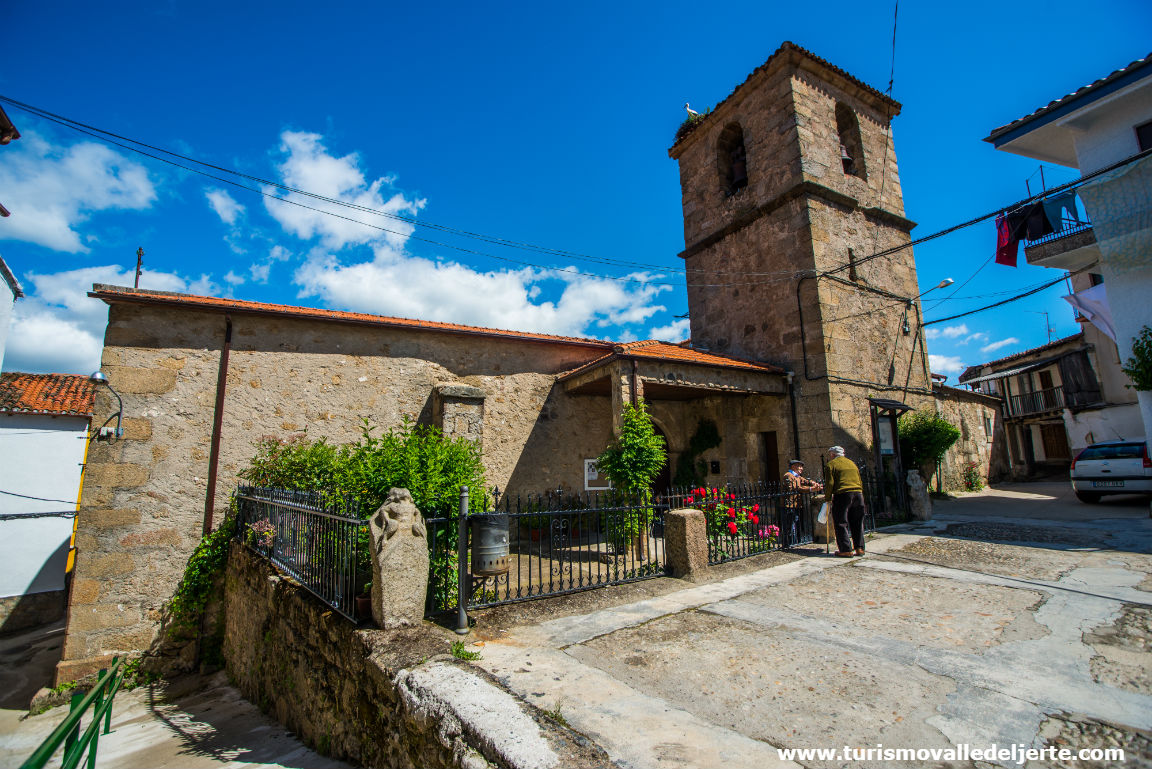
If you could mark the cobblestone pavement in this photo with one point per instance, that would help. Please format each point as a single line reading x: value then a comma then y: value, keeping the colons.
x: 1016, y: 616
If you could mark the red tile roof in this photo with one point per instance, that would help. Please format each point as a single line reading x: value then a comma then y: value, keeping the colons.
x: 786, y: 48
x: 651, y: 349
x: 46, y: 393
x: 112, y: 294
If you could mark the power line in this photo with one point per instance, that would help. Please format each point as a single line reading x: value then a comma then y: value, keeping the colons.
x: 1005, y: 301
x: 117, y: 139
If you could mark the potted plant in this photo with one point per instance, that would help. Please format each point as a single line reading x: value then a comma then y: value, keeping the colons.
x: 364, y: 602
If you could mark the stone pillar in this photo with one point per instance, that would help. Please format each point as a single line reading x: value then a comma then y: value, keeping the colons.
x: 399, y: 562
x: 686, y: 543
x: 459, y: 408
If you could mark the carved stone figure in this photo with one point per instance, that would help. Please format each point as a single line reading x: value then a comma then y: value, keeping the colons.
x: 918, y: 497
x: 400, y: 561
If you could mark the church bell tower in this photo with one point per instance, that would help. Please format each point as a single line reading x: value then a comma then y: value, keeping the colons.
x: 790, y: 188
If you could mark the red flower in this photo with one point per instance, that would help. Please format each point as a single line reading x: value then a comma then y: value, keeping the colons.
x: 755, y: 520
x: 714, y: 491
x: 689, y: 500
x: 756, y: 508
x: 731, y: 513
x: 731, y: 496
x: 732, y: 527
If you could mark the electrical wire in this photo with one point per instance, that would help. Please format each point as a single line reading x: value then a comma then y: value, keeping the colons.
x: 118, y: 139
x: 38, y: 499
x: 1036, y: 290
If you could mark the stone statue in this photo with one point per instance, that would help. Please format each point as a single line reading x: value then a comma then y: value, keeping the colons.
x: 918, y: 497
x: 399, y: 563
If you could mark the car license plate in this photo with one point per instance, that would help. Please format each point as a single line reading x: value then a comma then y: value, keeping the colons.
x: 1107, y: 484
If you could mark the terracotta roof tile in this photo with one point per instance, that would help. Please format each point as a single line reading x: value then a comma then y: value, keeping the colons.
x: 46, y: 393
x: 1081, y: 91
x: 113, y: 294
x: 789, y: 47
x: 651, y: 349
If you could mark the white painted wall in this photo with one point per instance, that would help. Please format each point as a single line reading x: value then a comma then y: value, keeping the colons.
x: 7, y: 302
x: 40, y: 456
x: 1109, y: 424
x: 1130, y: 297
x: 1105, y: 132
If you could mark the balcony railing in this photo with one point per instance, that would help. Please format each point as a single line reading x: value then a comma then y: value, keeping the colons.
x: 1037, y: 402
x: 1070, y: 229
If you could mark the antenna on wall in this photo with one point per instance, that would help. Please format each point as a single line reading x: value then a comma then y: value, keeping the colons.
x: 1047, y: 326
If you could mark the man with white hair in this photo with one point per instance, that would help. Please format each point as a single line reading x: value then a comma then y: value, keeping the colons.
x: 846, y: 501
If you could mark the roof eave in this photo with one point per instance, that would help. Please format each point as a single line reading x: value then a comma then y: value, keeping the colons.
x: 1069, y: 104
x: 157, y: 299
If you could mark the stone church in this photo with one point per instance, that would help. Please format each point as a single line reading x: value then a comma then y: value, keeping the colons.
x: 789, y: 186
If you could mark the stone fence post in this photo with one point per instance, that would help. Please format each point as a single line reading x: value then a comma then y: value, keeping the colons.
x: 686, y: 543
x: 399, y: 561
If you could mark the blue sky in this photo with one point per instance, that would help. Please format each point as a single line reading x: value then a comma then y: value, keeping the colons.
x: 536, y: 124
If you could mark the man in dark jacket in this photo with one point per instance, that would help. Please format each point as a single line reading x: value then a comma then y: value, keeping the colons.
x: 846, y: 501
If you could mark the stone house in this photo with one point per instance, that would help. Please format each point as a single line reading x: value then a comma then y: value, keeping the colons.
x: 1058, y: 398
x: 789, y: 186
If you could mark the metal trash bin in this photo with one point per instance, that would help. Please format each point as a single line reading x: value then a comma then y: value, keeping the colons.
x: 489, y: 544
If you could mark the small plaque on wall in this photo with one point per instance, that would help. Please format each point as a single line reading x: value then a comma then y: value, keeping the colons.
x: 593, y: 480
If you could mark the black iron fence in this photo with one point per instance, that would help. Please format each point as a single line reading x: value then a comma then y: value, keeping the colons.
x: 555, y: 543
x: 318, y: 539
x: 885, y: 499
x: 744, y: 519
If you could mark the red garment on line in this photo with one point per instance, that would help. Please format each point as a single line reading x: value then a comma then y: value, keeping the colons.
x: 1007, y: 244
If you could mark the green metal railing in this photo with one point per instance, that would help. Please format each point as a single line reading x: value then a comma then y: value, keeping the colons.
x: 68, y: 732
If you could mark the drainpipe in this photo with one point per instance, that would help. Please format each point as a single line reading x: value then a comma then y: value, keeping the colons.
x: 635, y: 379
x: 795, y: 420
x: 217, y: 420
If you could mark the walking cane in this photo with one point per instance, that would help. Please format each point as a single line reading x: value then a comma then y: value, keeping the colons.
x: 827, y: 517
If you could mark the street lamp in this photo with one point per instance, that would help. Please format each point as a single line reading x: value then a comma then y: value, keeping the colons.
x: 99, y: 378
x: 904, y: 326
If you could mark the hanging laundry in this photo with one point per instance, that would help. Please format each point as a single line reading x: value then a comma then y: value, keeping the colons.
x: 1038, y: 225
x: 1055, y: 206
x: 1006, y: 243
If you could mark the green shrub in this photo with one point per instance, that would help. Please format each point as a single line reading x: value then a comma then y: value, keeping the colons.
x: 924, y: 437
x: 631, y: 462
x: 415, y: 457
x: 1139, y: 365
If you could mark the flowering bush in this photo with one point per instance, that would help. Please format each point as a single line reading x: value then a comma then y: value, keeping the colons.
x: 971, y: 477
x: 734, y: 528
x: 261, y: 533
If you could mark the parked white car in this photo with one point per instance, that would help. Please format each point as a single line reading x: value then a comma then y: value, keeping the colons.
x: 1113, y: 467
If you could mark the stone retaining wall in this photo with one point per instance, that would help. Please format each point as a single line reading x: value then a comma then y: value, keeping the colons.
x: 372, y: 697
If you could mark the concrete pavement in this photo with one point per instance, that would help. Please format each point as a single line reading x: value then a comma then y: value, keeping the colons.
x: 934, y: 639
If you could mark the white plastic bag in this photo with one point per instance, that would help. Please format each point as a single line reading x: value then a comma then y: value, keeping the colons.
x: 822, y: 516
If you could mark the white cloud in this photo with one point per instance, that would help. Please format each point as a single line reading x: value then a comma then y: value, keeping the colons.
x: 260, y: 270
x: 979, y: 336
x: 57, y: 328
x: 948, y: 332
x: 308, y: 166
x: 224, y: 205
x: 676, y: 331
x: 50, y: 190
x: 233, y: 279
x: 408, y: 287
x: 997, y: 345
x: 945, y: 364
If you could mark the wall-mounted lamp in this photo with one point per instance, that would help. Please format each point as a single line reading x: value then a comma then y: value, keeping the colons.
x: 98, y: 378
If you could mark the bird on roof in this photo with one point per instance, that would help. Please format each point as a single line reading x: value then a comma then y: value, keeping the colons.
x: 691, y: 112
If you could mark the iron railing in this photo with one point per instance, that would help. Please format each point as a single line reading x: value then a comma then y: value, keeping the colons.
x: 68, y: 732
x: 318, y: 539
x: 1050, y: 399
x: 744, y: 519
x: 558, y: 543
x: 885, y: 499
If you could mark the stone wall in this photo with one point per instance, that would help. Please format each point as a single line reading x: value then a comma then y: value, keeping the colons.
x: 142, y: 509
x: 971, y: 413
x: 372, y: 697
